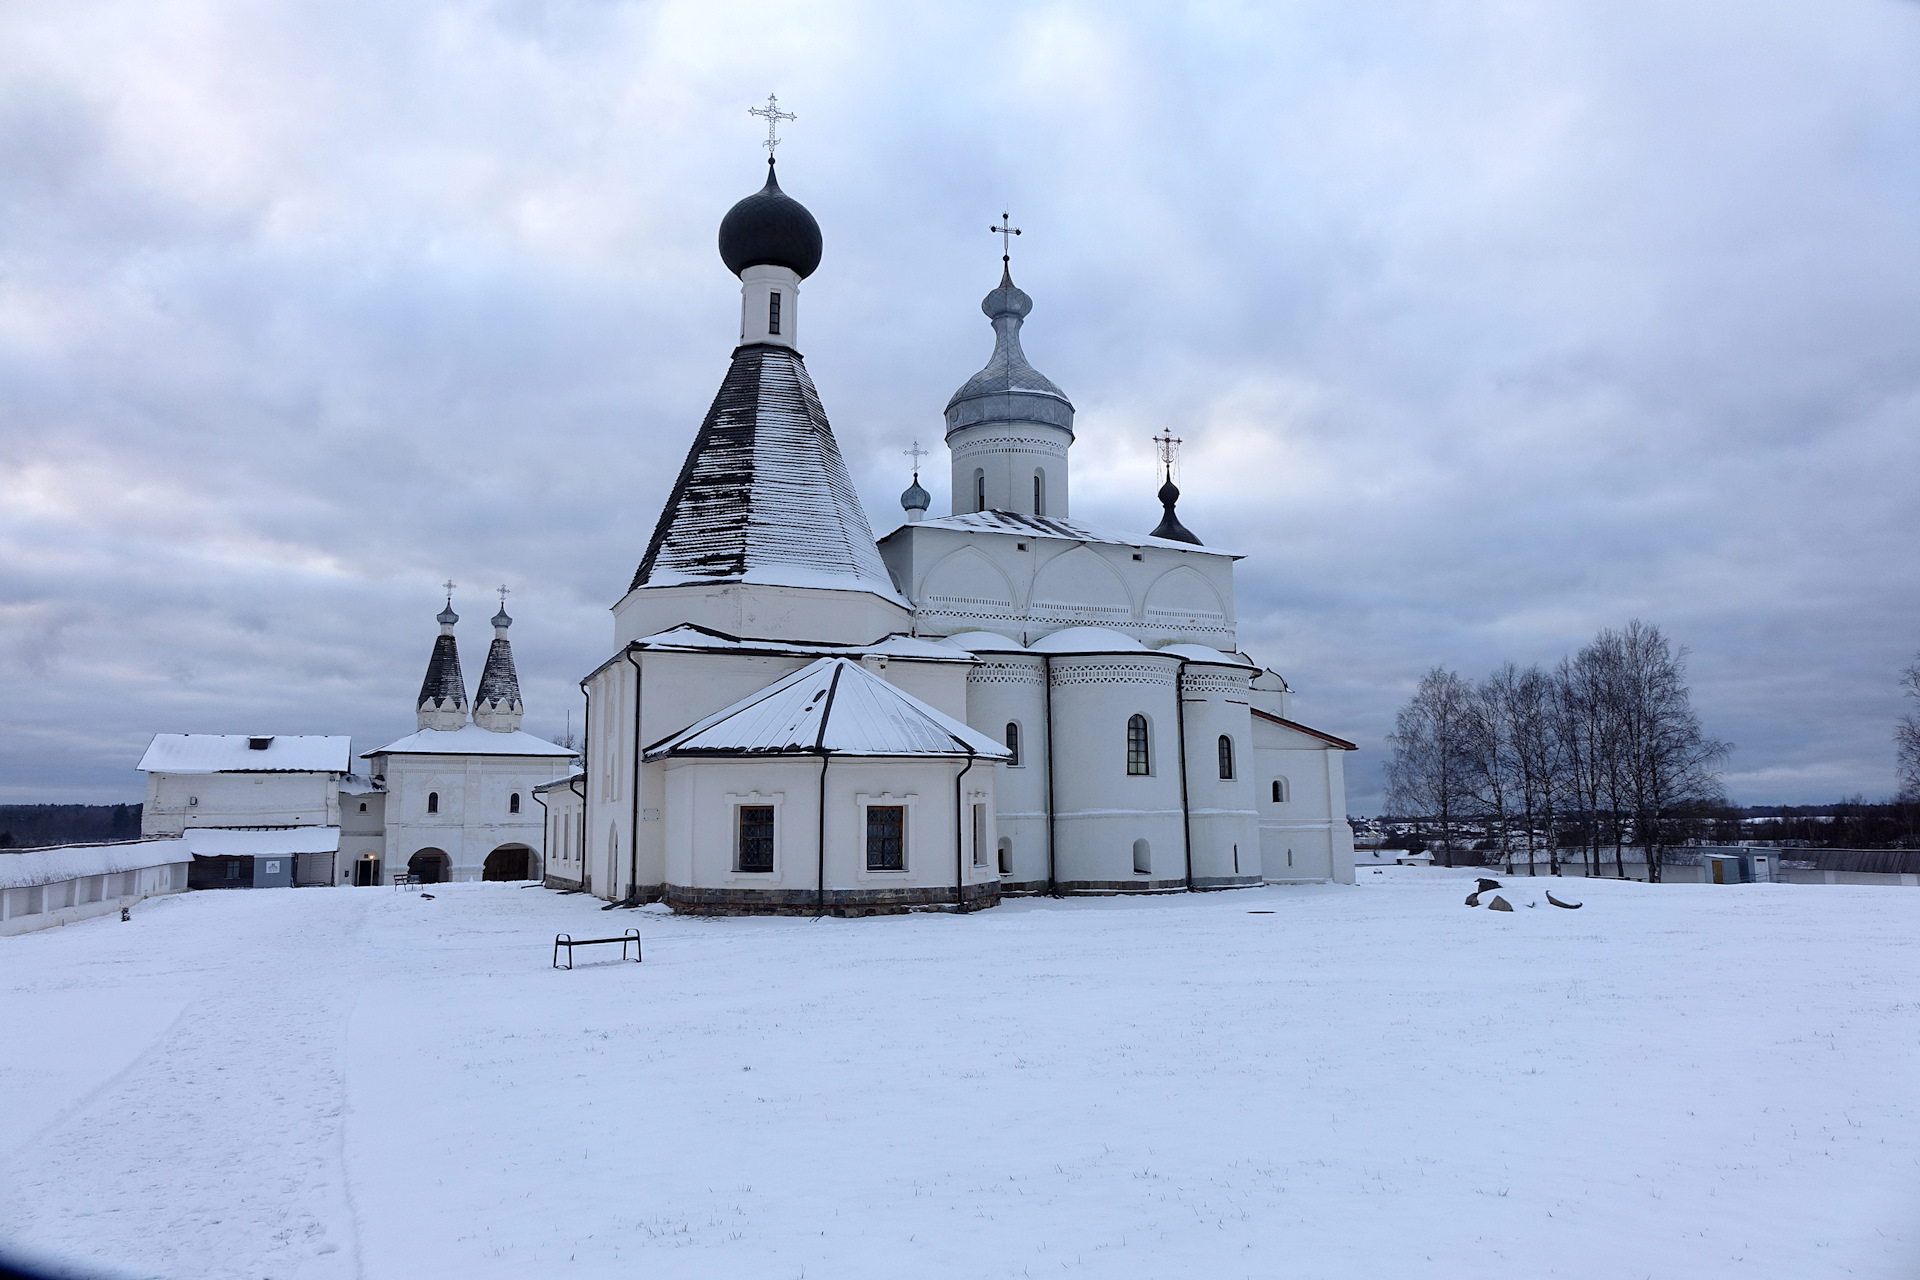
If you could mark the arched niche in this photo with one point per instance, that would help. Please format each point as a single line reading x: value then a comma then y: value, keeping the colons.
x: 970, y: 579
x: 1081, y: 587
x: 1182, y: 596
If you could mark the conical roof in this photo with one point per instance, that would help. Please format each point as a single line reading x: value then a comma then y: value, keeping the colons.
x: 833, y: 706
x: 444, y: 685
x: 764, y: 495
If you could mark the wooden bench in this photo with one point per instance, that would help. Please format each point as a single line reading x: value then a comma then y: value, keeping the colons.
x: 570, y: 942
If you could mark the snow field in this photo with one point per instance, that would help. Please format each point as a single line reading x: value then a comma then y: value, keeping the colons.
x: 1672, y: 1081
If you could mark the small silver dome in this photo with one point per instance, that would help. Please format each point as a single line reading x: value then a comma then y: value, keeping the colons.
x: 915, y: 498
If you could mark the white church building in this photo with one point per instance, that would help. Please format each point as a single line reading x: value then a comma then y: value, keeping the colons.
x: 1000, y: 700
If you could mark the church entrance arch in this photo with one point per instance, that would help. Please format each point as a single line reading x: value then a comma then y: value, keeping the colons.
x: 508, y: 862
x: 429, y: 864
x: 366, y: 871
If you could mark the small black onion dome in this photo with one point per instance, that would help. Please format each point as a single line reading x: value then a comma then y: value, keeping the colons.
x: 1170, y: 526
x: 770, y: 228
x: 915, y: 498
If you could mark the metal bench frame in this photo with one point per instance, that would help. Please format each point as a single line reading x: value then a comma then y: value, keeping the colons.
x: 570, y: 942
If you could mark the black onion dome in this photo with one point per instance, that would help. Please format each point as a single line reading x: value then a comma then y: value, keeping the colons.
x: 1170, y: 526
x: 770, y: 228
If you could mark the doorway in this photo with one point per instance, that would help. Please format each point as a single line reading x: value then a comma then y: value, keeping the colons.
x: 508, y: 862
x: 428, y: 864
x: 366, y: 871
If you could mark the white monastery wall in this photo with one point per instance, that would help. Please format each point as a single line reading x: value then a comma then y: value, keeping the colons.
x: 176, y: 801
x: 1101, y: 811
x: 1027, y: 586
x: 704, y: 795
x: 1002, y: 689
x: 1305, y: 836
x: 759, y: 612
x: 475, y: 809
x: 66, y: 885
x: 1224, y: 821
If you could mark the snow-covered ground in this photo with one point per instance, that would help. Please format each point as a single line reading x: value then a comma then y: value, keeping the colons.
x: 1673, y: 1081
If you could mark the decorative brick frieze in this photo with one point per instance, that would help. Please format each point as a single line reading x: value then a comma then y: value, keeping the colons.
x: 1154, y: 673
x: 1004, y: 673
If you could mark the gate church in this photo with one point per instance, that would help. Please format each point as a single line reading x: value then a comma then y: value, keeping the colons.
x: 995, y: 701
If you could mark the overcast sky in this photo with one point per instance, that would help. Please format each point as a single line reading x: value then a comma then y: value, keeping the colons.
x: 1487, y: 325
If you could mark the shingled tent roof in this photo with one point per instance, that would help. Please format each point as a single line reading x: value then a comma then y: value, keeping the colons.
x: 444, y: 686
x: 764, y: 496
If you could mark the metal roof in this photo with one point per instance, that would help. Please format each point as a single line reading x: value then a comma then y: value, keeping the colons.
x: 833, y: 706
x: 233, y: 753
x: 764, y: 495
x: 470, y: 740
x: 1027, y: 526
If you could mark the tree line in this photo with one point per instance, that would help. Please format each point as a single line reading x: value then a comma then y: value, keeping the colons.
x: 1603, y: 749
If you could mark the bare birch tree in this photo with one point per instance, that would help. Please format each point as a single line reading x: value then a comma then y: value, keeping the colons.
x: 1427, y: 774
x: 1539, y: 758
x: 1666, y: 759
x: 1493, y: 783
x: 1906, y: 736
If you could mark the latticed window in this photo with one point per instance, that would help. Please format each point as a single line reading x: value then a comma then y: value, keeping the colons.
x: 1138, y: 761
x: 1013, y: 743
x: 756, y: 837
x: 886, y: 837
x: 1226, y: 756
x: 773, y: 313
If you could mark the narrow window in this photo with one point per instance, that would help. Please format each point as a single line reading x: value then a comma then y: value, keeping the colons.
x: 979, y: 491
x: 1006, y: 856
x: 433, y: 802
x: 1013, y: 743
x: 363, y: 806
x: 1138, y: 760
x: 1279, y: 790
x: 756, y: 837
x: 233, y: 871
x: 1039, y: 493
x: 1226, y: 756
x: 886, y: 837
x: 979, y: 835
x: 1142, y: 858
x: 773, y: 313
x: 513, y: 801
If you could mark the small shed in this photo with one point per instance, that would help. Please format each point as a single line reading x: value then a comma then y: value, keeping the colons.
x: 246, y: 858
x: 1739, y: 866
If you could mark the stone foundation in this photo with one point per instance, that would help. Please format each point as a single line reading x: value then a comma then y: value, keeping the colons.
x: 1023, y: 888
x: 690, y: 901
x: 1227, y: 882
x: 1141, y: 885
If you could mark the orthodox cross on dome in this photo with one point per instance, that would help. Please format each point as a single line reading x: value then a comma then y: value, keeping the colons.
x: 1168, y: 445
x: 504, y: 593
x: 449, y: 584
x: 1005, y: 230
x: 773, y: 115
x: 916, y: 453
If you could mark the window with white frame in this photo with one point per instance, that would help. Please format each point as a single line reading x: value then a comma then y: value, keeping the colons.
x: 1226, y: 757
x: 754, y: 842
x: 886, y: 837
x: 1139, y: 757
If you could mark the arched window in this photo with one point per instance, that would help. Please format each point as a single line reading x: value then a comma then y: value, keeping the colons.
x: 1139, y: 761
x: 1006, y: 856
x: 1279, y: 790
x: 1226, y: 756
x: 513, y: 801
x: 1013, y: 743
x: 1142, y: 858
x: 1039, y: 493
x: 979, y: 490
x: 363, y: 806
x: 433, y: 802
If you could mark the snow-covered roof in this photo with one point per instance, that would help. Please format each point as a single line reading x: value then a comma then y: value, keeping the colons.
x: 833, y: 706
x: 1201, y: 653
x: 985, y: 642
x: 764, y: 495
x: 470, y: 740
x: 50, y: 866
x: 234, y: 842
x: 1297, y: 727
x: 559, y: 784
x: 706, y: 640
x: 359, y: 784
x: 234, y: 753
x: 1027, y: 526
x: 1087, y: 640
